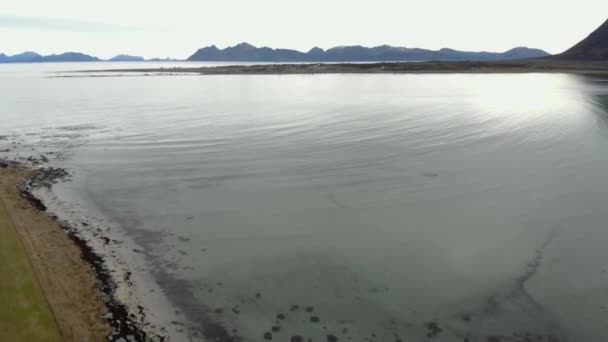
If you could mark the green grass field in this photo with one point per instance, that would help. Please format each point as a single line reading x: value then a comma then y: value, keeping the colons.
x: 24, y: 314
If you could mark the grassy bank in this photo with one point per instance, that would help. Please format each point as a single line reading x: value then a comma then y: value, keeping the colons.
x: 24, y: 313
x: 42, y: 272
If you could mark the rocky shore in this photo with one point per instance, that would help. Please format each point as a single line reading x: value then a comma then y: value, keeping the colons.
x: 78, y: 285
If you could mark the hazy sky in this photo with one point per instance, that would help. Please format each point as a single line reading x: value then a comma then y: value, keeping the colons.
x: 177, y: 28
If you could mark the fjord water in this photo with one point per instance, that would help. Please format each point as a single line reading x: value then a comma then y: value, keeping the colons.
x: 345, y: 207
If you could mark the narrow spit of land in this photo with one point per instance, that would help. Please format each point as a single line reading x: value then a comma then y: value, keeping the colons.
x: 517, y: 66
x: 48, y: 293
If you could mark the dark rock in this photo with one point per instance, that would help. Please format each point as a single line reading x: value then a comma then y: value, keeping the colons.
x: 433, y: 329
x: 332, y: 338
x: 466, y: 317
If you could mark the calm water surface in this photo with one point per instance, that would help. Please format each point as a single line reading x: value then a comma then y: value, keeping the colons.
x: 345, y: 207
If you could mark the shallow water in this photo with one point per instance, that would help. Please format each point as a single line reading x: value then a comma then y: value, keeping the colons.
x: 360, y: 207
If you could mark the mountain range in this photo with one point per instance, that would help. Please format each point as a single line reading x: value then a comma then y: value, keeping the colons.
x: 245, y: 52
x: 33, y: 57
x: 593, y: 48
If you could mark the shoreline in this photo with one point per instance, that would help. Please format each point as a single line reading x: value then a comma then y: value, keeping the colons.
x: 74, y: 279
x: 546, y: 65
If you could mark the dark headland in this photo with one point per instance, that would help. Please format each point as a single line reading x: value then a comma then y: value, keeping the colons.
x: 588, y: 56
x: 592, y: 48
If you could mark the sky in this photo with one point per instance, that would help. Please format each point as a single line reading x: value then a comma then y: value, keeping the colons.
x: 177, y: 28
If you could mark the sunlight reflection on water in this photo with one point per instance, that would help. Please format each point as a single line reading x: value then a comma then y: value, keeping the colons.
x: 384, y: 202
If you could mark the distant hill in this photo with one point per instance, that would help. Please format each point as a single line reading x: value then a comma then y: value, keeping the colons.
x: 22, y: 57
x: 245, y: 52
x: 33, y: 57
x: 126, y: 58
x: 69, y: 57
x: 167, y: 59
x: 592, y: 48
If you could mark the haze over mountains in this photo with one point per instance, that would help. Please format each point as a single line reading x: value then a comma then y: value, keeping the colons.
x: 245, y: 52
x: 592, y: 48
x: 33, y: 57
x: 126, y: 58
